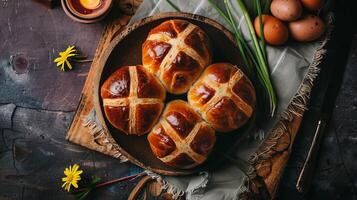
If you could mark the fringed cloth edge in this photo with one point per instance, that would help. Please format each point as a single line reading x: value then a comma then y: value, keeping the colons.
x: 295, y: 108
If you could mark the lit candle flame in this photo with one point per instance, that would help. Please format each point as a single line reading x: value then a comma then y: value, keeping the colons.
x: 90, y: 4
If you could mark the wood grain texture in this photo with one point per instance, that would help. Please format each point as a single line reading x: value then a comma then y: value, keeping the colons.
x: 27, y: 51
x: 38, y: 102
x: 48, y: 3
x: 77, y: 133
x: 271, y: 168
x: 335, y: 168
x: 41, y: 101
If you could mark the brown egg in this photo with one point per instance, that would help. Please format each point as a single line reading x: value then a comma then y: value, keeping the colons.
x: 313, y: 4
x: 286, y: 10
x: 275, y: 31
x: 307, y: 29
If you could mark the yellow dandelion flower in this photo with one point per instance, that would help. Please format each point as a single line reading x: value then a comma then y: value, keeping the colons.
x: 62, y: 60
x: 72, y: 177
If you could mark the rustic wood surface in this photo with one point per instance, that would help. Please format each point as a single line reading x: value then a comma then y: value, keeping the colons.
x: 336, y: 167
x: 37, y: 103
x: 79, y: 133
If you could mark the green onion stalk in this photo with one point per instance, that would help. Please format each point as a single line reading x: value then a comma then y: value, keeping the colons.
x: 177, y: 9
x: 262, y: 41
x: 266, y: 7
x: 262, y: 67
x: 257, y: 55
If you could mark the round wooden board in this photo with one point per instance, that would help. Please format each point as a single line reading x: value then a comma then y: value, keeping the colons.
x: 124, y: 50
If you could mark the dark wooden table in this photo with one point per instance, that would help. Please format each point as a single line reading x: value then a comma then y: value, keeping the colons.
x: 37, y: 102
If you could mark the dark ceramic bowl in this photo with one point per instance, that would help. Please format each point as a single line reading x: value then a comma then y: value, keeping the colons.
x: 125, y: 49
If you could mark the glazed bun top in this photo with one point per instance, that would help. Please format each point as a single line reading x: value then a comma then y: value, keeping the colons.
x: 132, y: 99
x: 223, y: 96
x: 176, y: 51
x: 181, y: 138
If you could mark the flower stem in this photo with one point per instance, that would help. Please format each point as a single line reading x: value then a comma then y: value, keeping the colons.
x: 131, y: 177
x: 80, y: 61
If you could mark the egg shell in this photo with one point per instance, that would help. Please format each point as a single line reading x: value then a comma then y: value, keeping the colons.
x: 313, y: 5
x: 307, y: 29
x: 275, y: 31
x: 286, y: 10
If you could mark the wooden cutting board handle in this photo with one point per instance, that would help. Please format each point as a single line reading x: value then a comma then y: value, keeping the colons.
x: 138, y: 188
x: 273, y: 155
